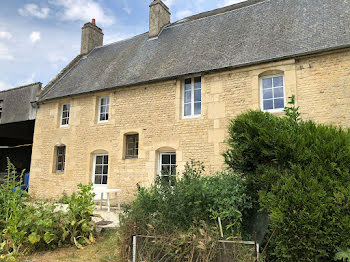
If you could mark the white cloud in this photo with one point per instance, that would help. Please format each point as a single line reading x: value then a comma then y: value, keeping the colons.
x: 111, y: 38
x: 29, y: 80
x: 35, y: 36
x: 34, y: 10
x: 5, y: 35
x: 84, y: 11
x: 169, y: 3
x: 183, y: 13
x: 4, y: 86
x: 5, y: 53
x: 229, y: 2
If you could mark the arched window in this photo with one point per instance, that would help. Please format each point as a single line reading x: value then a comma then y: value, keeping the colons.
x: 272, y: 91
x: 167, y: 165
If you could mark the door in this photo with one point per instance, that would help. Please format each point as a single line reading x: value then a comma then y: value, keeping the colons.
x: 100, y: 173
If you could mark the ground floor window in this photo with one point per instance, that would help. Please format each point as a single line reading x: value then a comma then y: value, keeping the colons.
x: 100, y: 169
x: 167, y: 167
x: 60, y: 159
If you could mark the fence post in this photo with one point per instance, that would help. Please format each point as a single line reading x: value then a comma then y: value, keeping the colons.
x: 133, y: 248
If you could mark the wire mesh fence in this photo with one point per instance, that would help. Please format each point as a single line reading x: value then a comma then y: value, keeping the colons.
x: 160, y: 249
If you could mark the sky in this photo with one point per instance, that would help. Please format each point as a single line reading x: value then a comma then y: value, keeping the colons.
x: 38, y: 38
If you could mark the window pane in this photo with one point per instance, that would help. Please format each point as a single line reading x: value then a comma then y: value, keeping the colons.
x: 188, y: 84
x: 268, y: 104
x: 173, y: 170
x: 197, y: 108
x: 102, y: 117
x: 267, y: 93
x: 278, y: 92
x: 165, y: 179
x: 197, y: 95
x: 197, y: 82
x: 65, y: 115
x: 105, y: 170
x: 105, y: 159
x: 103, y: 101
x: 173, y: 159
x: 98, y: 170
x: 278, y: 81
x: 187, y: 110
x: 104, y: 180
x: 279, y: 103
x: 98, y: 179
x: 99, y: 159
x: 165, y: 170
x: 59, y: 166
x: 106, y: 116
x: 165, y: 159
x: 267, y: 83
x: 172, y: 180
x: 188, y: 96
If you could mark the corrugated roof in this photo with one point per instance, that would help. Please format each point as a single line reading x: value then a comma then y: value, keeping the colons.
x: 239, y: 35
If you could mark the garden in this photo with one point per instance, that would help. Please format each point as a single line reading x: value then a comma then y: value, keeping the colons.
x: 286, y: 186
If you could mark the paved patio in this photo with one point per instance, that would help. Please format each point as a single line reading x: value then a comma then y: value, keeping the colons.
x: 108, y: 220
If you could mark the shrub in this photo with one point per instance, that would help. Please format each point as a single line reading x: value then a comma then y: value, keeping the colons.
x: 25, y: 226
x: 165, y: 210
x: 299, y: 172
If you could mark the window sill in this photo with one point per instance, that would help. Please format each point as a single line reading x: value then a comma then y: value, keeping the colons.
x: 192, y: 117
x: 58, y: 173
x: 131, y: 158
x: 274, y: 111
x: 65, y: 126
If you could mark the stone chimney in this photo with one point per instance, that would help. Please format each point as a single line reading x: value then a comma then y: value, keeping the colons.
x: 91, y: 36
x: 159, y: 16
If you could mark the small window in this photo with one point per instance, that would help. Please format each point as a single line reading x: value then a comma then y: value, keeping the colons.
x: 132, y: 146
x: 272, y: 93
x: 60, y: 159
x: 103, y: 112
x: 1, y: 105
x: 65, y: 114
x: 167, y: 168
x: 101, y: 170
x: 192, y: 97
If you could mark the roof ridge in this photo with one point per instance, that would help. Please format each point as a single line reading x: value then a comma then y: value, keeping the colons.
x: 19, y: 87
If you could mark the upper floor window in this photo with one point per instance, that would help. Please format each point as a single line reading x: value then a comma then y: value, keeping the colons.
x: 60, y: 158
x: 132, y: 146
x: 65, y: 114
x: 103, y: 111
x: 192, y: 98
x: 272, y: 93
x: 1, y: 105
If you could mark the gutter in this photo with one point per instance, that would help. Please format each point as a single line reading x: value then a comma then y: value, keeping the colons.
x: 6, y: 147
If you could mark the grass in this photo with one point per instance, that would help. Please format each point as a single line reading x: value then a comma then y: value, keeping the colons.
x: 105, y: 249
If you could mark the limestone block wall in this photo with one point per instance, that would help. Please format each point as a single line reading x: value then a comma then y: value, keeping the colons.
x: 321, y: 84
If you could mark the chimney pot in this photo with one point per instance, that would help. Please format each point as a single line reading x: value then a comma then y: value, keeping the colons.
x: 91, y: 36
x: 158, y: 18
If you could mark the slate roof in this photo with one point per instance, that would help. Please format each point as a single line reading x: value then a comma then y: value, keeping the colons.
x: 17, y: 103
x: 243, y: 34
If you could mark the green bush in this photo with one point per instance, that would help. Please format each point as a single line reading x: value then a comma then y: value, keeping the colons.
x: 25, y: 226
x: 299, y: 172
x: 166, y: 210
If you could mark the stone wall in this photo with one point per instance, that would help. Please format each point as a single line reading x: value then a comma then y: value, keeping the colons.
x: 321, y: 85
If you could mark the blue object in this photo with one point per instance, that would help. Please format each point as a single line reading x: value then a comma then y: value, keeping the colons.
x: 26, y: 182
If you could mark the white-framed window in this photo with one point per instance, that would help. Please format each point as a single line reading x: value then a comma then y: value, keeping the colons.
x: 103, y: 109
x: 65, y: 111
x: 167, y: 167
x: 272, y: 93
x: 1, y: 106
x: 192, y: 97
x: 100, y: 169
x: 60, y: 159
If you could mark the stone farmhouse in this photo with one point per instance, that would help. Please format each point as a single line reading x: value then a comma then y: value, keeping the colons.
x: 126, y: 113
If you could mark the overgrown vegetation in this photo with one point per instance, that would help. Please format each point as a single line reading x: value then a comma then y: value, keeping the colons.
x: 179, y: 214
x: 299, y: 172
x: 25, y: 226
